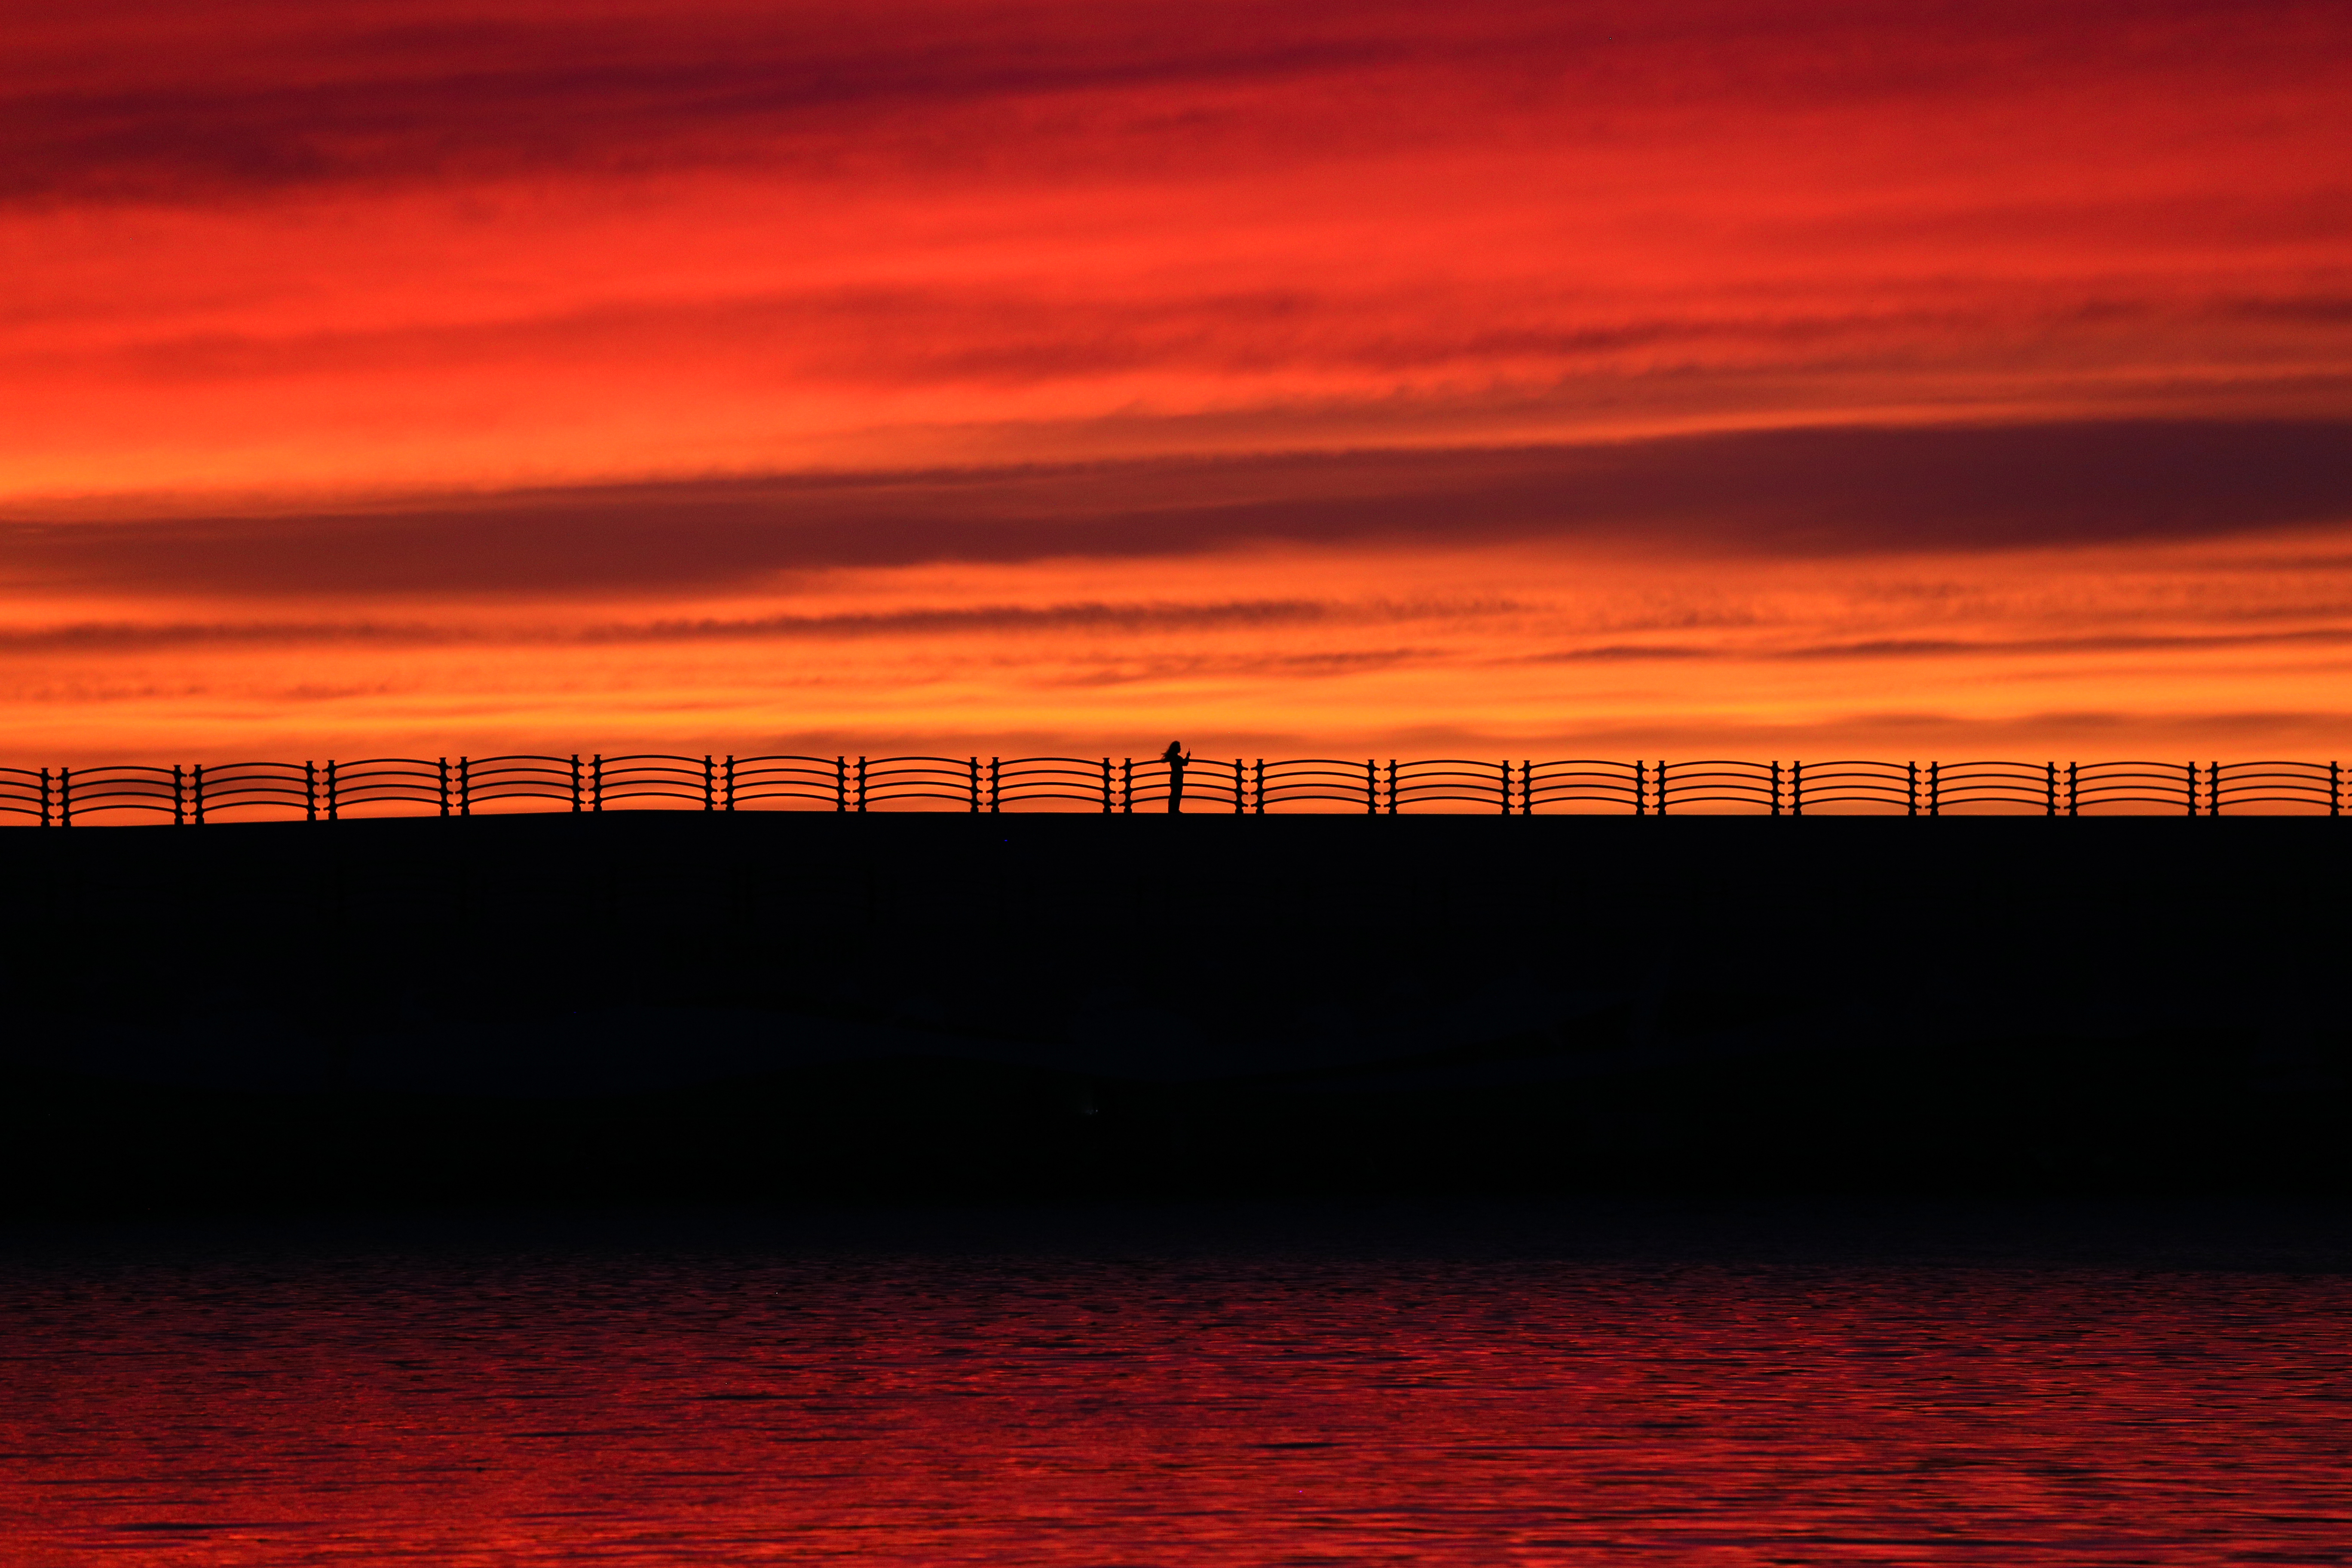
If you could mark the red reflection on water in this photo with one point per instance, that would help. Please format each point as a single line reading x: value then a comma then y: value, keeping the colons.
x: 1053, y: 1411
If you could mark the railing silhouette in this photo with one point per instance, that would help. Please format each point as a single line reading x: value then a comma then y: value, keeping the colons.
x: 327, y: 792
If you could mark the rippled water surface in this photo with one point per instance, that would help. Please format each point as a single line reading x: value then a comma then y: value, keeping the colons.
x: 1204, y: 1389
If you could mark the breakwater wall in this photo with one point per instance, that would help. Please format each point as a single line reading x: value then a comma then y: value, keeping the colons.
x: 655, y: 1006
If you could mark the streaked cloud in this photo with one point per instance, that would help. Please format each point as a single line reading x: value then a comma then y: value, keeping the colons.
x: 1789, y: 493
x: 156, y: 102
x: 967, y: 621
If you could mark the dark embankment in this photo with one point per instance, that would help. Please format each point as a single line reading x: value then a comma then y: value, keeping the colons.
x: 661, y: 1007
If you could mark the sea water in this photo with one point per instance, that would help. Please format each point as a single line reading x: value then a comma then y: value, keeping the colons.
x: 1561, y: 1384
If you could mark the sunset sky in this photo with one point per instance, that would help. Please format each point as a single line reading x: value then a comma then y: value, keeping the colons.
x: 1722, y: 376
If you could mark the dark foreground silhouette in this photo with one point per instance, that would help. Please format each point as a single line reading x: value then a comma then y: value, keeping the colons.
x: 675, y: 1007
x: 1172, y: 762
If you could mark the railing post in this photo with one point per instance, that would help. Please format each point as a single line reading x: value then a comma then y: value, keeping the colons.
x: 575, y: 780
x: 1661, y: 787
x: 334, y: 804
x: 2050, y: 789
x: 975, y: 766
x: 2073, y: 794
x: 861, y: 785
x: 179, y: 797
x: 2192, y: 789
x: 196, y: 775
x: 1240, y: 786
x: 1507, y: 786
x: 710, y: 784
x: 1911, y: 789
x: 731, y: 781
x: 1257, y: 793
x: 1775, y: 789
x: 2335, y: 789
x: 841, y: 783
x: 1796, y: 789
x: 596, y: 782
x: 1641, y: 790
x: 1106, y: 786
x: 1127, y: 785
x: 45, y: 798
x: 464, y: 786
x: 1934, y: 789
x: 310, y: 792
x: 65, y: 797
x: 2212, y: 789
x: 1392, y: 786
x: 995, y: 784
x: 444, y: 763
x: 1527, y: 786
x: 1371, y: 787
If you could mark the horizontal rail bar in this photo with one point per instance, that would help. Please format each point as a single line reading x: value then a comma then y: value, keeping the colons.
x: 190, y: 794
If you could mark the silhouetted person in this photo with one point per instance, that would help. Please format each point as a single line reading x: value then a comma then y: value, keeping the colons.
x: 1175, y: 756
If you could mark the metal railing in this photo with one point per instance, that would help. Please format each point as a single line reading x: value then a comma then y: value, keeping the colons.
x: 186, y: 795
